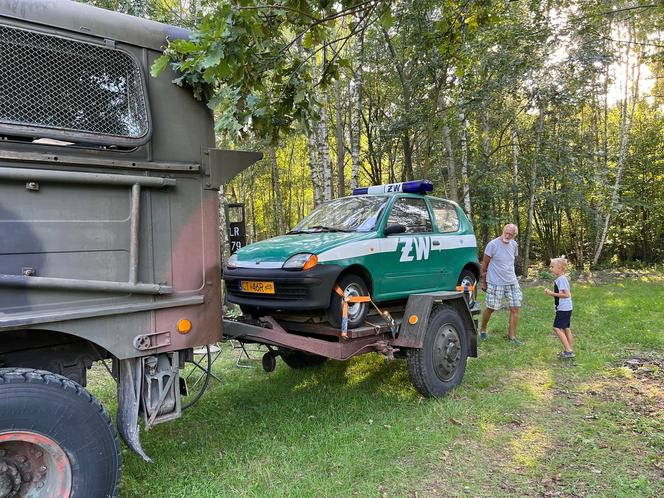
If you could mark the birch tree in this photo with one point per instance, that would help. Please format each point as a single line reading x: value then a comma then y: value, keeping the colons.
x: 356, y: 109
x: 276, y: 188
x: 533, y: 185
x: 625, y: 126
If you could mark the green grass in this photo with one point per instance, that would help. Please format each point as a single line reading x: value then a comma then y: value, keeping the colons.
x: 522, y: 423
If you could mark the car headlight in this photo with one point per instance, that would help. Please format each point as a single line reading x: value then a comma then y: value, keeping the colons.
x: 302, y: 261
x: 232, y: 261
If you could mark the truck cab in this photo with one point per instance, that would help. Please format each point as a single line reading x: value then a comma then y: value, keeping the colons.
x: 110, y: 250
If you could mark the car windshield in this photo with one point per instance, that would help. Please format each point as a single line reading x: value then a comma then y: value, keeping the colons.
x: 347, y: 214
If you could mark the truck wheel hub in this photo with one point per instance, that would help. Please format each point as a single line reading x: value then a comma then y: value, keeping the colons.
x: 33, y: 465
x: 447, y: 349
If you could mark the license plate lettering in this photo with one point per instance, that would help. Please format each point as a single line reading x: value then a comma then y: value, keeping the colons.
x: 258, y: 287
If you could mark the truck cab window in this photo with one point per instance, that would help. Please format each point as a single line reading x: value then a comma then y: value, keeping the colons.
x: 70, y: 92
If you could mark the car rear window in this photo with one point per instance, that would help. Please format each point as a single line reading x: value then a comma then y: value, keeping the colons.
x: 447, y: 219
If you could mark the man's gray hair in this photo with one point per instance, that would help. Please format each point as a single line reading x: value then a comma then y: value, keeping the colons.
x: 512, y: 225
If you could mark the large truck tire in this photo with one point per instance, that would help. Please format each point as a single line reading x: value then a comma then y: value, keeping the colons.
x: 441, y: 363
x: 300, y: 359
x: 55, y: 438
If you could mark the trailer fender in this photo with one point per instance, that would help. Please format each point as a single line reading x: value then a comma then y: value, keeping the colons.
x: 416, y: 319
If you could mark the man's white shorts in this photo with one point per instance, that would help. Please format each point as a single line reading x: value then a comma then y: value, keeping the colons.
x: 496, y: 293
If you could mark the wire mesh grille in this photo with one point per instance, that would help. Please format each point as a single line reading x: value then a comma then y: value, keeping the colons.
x: 55, y: 83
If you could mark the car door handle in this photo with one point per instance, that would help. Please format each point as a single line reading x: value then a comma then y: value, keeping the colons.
x: 436, y: 242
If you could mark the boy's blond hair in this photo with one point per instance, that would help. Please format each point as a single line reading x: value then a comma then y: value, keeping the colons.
x: 562, y: 261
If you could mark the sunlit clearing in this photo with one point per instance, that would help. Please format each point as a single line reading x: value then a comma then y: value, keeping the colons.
x: 537, y: 383
x: 307, y: 383
x: 359, y: 371
x: 530, y: 447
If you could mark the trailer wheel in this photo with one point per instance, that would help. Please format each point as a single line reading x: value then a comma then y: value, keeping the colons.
x: 441, y: 363
x: 300, y: 359
x: 269, y: 361
x: 352, y: 285
x: 55, y: 438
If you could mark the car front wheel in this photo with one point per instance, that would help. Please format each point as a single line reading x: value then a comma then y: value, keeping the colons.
x: 351, y: 285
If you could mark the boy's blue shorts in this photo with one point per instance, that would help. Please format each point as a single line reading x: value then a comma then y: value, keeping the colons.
x: 563, y: 319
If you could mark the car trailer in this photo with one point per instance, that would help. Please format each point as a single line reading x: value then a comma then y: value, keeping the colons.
x: 436, y: 332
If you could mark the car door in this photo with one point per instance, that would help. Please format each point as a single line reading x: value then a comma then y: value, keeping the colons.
x: 449, y: 248
x: 404, y: 258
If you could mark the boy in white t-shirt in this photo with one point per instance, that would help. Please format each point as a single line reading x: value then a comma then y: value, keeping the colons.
x: 563, y: 302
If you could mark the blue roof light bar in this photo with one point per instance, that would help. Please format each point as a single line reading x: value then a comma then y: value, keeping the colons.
x: 414, y: 187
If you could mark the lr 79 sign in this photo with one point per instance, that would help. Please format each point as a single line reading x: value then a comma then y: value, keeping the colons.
x: 237, y: 231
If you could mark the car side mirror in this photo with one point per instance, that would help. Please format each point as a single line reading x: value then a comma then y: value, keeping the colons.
x: 394, y: 228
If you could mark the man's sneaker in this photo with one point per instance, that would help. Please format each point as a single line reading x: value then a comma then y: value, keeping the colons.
x: 484, y: 336
x: 516, y: 341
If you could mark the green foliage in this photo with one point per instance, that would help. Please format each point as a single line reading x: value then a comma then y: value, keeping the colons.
x: 243, y: 60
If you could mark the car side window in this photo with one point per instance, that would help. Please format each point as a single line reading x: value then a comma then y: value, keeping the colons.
x: 447, y: 219
x: 411, y: 213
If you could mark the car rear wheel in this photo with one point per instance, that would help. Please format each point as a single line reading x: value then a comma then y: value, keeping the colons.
x: 351, y: 285
x: 467, y: 277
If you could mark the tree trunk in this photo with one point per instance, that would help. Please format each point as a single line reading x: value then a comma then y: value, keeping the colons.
x: 356, y: 111
x: 276, y: 188
x: 320, y: 127
x: 313, y: 163
x: 451, y: 165
x: 310, y: 129
x: 463, y: 130
x: 407, y: 173
x: 625, y: 126
x: 533, y: 190
x: 406, y: 94
x: 341, y: 146
x: 515, y: 176
x: 463, y: 137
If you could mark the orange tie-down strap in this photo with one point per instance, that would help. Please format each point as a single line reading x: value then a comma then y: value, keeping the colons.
x: 351, y: 299
x: 462, y: 288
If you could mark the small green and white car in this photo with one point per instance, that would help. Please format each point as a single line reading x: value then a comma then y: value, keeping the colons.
x: 388, y: 241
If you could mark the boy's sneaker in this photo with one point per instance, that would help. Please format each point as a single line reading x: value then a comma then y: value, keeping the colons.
x: 516, y: 341
x: 483, y: 336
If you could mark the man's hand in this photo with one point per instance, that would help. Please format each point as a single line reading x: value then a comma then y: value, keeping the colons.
x: 548, y: 292
x: 484, y: 285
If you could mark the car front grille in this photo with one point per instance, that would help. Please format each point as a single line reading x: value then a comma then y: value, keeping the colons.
x: 283, y: 291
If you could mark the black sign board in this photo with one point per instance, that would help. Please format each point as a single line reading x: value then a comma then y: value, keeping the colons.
x: 237, y: 230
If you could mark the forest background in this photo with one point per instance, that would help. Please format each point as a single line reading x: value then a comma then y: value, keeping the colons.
x: 546, y: 114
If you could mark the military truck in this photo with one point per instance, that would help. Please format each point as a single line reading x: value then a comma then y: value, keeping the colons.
x: 109, y: 245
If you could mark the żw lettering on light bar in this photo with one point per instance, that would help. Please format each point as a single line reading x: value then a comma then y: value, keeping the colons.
x: 414, y: 187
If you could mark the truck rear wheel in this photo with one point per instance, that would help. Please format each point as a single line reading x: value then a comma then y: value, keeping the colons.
x: 441, y: 363
x: 300, y: 359
x: 55, y: 438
